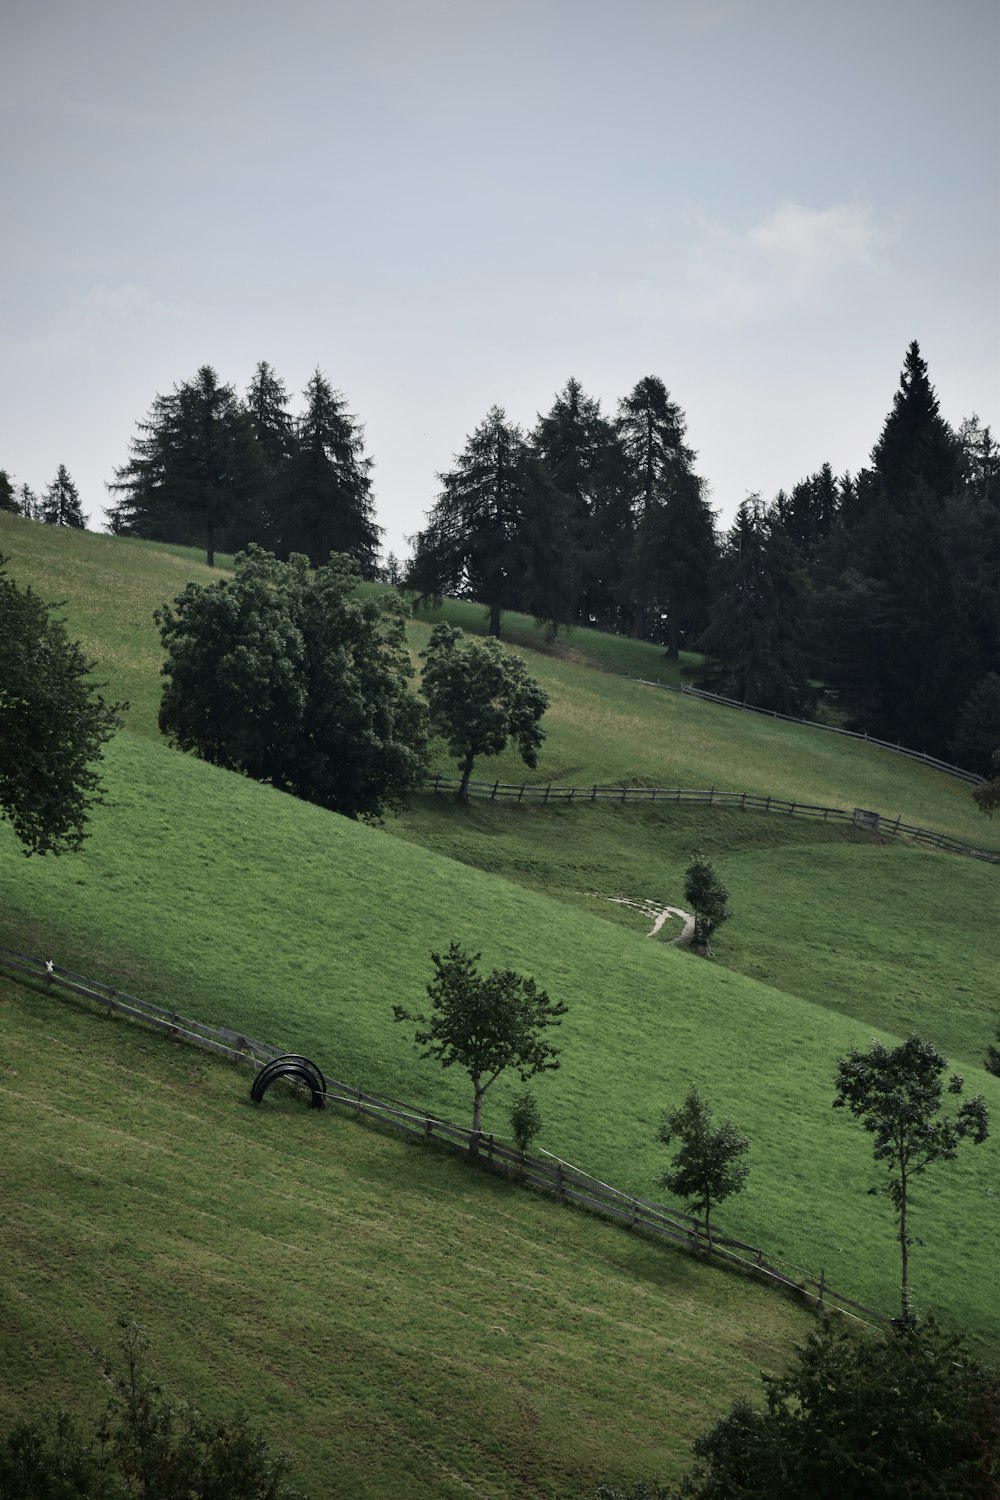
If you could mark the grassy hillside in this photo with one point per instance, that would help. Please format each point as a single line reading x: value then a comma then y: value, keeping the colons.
x: 399, y: 1323
x: 242, y: 905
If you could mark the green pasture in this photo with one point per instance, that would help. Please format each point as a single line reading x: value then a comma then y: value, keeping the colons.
x: 396, y: 1321
x: 242, y: 906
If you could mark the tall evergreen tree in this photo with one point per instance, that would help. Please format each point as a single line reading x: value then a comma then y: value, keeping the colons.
x: 273, y: 427
x: 674, y: 549
x: 917, y: 450
x: 8, y: 494
x: 754, y: 637
x: 327, y: 505
x: 193, y: 474
x: 28, y: 503
x: 61, y: 502
x: 474, y: 543
x: 583, y: 458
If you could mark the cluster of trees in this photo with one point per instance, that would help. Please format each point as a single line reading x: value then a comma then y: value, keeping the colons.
x: 209, y: 468
x: 588, y: 519
x: 907, y: 1414
x: 884, y: 586
x: 59, y: 505
x: 910, y: 1415
x: 144, y: 1446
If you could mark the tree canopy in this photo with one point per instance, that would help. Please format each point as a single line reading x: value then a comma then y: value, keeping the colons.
x: 896, y: 1093
x: 54, y: 724
x: 285, y: 675
x: 481, y: 696
x: 484, y: 1023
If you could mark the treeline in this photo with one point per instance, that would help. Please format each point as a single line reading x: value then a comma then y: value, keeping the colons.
x: 877, y: 592
x: 58, y: 505
x: 208, y: 468
x: 881, y: 589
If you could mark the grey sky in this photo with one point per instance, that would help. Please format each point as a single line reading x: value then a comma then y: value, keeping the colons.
x: 450, y: 203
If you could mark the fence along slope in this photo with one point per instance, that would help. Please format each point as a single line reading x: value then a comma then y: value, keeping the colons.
x: 875, y: 822
x: 546, y: 1173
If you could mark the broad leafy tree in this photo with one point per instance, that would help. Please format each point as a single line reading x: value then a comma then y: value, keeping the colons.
x: 481, y: 697
x: 327, y: 504
x: 144, y: 1444
x: 54, y: 724
x: 287, y: 676
x: 484, y: 1024
x: 710, y: 1162
x: 908, y: 1415
x: 708, y: 898
x: 194, y: 473
x: 61, y: 502
x: 896, y: 1093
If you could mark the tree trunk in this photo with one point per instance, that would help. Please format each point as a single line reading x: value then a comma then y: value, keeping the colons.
x: 903, y: 1254
x: 495, y: 620
x: 463, y: 791
x: 477, y: 1106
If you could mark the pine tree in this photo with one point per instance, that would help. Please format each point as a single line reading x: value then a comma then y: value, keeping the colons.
x: 61, y: 502
x: 754, y: 638
x: 28, y: 503
x: 917, y: 450
x: 327, y: 505
x: 8, y: 494
x: 674, y: 550
x: 583, y: 459
x: 266, y: 404
x: 194, y: 474
x: 474, y: 544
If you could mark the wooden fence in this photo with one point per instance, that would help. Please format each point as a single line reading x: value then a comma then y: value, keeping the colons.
x: 709, y: 797
x: 546, y: 1173
x: 852, y: 734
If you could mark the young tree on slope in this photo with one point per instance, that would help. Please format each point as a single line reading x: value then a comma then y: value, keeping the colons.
x: 709, y: 1164
x: 481, y: 696
x: 486, y: 1024
x: 896, y: 1094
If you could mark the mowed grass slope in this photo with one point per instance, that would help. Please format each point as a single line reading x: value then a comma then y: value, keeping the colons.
x: 398, y: 1322
x: 243, y: 906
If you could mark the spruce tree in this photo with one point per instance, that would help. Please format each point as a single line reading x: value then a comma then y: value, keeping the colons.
x: 193, y: 475
x: 8, y: 495
x: 674, y: 548
x: 327, y: 504
x: 474, y: 544
x: 917, y: 450
x: 61, y: 502
x: 583, y: 459
x: 754, y: 638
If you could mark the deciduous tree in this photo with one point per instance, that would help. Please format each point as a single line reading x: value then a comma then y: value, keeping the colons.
x: 54, y: 724
x: 707, y: 897
x: 285, y: 675
x: 484, y: 1023
x: 896, y: 1094
x: 481, y: 696
x: 710, y: 1162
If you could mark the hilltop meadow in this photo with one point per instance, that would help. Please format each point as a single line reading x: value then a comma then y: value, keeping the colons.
x: 380, y: 1309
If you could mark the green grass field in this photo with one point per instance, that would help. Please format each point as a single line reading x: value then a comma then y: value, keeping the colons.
x: 243, y: 906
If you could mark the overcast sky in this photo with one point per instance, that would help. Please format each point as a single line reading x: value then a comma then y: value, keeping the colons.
x: 446, y: 204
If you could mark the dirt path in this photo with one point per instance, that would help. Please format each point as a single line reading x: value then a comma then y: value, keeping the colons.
x: 659, y: 915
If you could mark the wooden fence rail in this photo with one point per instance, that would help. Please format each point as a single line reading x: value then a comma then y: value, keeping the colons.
x: 875, y: 822
x: 851, y: 734
x: 546, y: 1173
